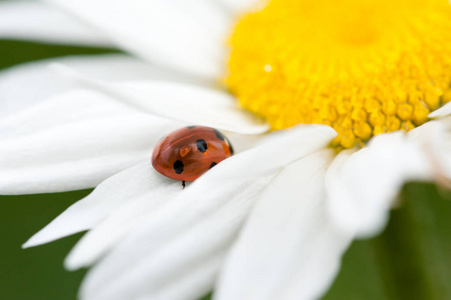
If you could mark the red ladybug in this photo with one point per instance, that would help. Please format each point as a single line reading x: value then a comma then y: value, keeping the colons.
x: 187, y: 153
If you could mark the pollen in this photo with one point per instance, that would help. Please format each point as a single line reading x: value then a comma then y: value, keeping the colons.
x: 364, y: 67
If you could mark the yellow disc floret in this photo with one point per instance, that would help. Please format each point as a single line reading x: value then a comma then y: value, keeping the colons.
x: 363, y: 67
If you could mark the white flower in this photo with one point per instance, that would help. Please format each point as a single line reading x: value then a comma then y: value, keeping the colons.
x: 271, y: 222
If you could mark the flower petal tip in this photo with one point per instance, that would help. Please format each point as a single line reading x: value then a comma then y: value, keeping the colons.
x: 42, y: 237
x: 79, y: 257
x: 441, y: 112
x: 71, y: 264
x: 31, y: 242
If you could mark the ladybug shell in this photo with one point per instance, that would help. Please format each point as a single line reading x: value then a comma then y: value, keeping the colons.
x: 187, y: 153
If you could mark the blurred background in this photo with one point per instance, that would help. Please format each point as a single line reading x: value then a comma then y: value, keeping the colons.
x: 410, y: 260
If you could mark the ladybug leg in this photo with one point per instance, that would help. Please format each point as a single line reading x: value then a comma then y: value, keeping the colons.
x: 183, y: 184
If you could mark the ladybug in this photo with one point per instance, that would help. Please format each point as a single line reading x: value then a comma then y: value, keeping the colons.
x: 187, y: 153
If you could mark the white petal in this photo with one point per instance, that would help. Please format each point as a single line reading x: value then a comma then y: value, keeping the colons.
x: 288, y: 249
x: 189, y: 229
x: 243, y: 6
x: 184, y: 35
x: 73, y: 141
x: 241, y: 142
x: 31, y: 20
x: 187, y: 103
x: 99, y: 240
x: 435, y: 140
x: 112, y: 194
x: 362, y: 186
x: 290, y: 145
x: 190, y: 285
x: 443, y: 111
x: 31, y: 83
x: 151, y: 258
x: 122, y: 220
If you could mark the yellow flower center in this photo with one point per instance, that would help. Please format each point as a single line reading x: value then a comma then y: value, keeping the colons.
x: 363, y: 67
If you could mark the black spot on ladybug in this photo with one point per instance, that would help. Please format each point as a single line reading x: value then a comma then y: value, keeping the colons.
x: 191, y: 127
x: 201, y: 145
x: 219, y: 135
x: 230, y: 146
x: 178, y: 167
x: 212, y: 165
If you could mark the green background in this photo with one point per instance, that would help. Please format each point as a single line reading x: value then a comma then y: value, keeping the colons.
x: 410, y: 260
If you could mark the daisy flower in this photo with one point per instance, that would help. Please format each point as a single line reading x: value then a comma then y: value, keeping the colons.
x: 354, y: 93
